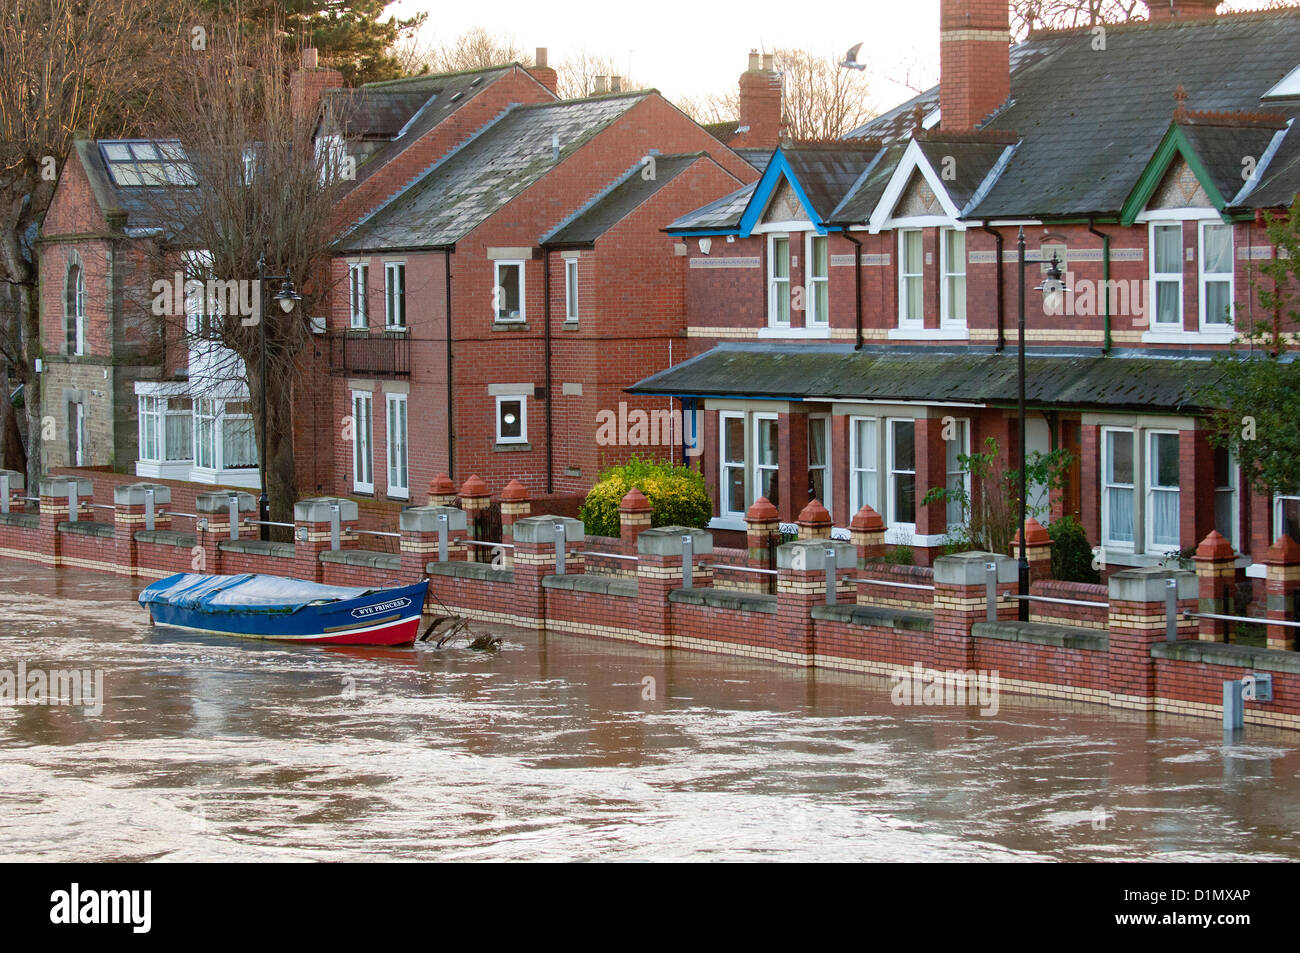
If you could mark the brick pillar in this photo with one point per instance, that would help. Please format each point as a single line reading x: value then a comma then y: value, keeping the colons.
x: 17, y: 490
x: 474, y: 499
x: 129, y: 518
x: 1281, y: 580
x: 1038, y: 550
x: 814, y: 521
x: 867, y: 533
x: 761, y: 524
x: 442, y: 492
x: 419, y: 543
x: 634, y: 515
x: 535, y: 558
x: 961, y: 600
x: 213, y: 525
x: 801, y: 585
x: 54, y: 510
x: 659, y: 571
x: 1216, y: 571
x: 515, y: 505
x: 311, y: 533
x: 1137, y: 620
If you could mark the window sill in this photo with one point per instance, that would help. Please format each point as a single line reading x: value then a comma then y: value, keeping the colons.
x: 511, y: 447
x: 929, y: 334
x: 396, y: 329
x: 569, y: 325
x: 398, y: 497
x: 813, y: 333
x: 729, y: 522
x: 1172, y: 336
x: 509, y: 325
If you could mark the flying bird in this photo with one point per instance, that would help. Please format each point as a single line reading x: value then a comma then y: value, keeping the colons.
x: 851, y: 58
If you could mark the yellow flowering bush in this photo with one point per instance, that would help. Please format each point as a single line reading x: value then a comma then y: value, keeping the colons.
x: 676, y: 493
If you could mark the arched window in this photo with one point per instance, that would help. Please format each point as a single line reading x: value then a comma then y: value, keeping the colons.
x: 74, y: 310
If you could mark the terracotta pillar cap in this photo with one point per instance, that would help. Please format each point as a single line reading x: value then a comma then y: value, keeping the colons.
x: 814, y: 514
x: 1035, y: 535
x: 1284, y: 552
x: 761, y: 511
x: 1215, y: 548
x: 474, y: 486
x: 512, y: 492
x: 441, y: 485
x: 634, y: 501
x: 867, y: 520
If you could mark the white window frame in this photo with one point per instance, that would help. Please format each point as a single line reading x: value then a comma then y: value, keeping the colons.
x: 1203, y: 277
x: 358, y: 303
x: 150, y: 424
x: 523, y: 418
x: 855, y: 498
x: 904, y: 321
x: 946, y: 273
x: 398, y: 438
x: 828, y: 491
x: 1135, y: 544
x: 77, y: 456
x: 725, y: 465
x: 223, y: 415
x: 775, y: 283
x: 1149, y: 470
x: 571, y: 290
x: 205, y: 412
x: 812, y: 314
x: 964, y: 445
x: 395, y: 295
x: 363, y: 438
x: 496, y: 283
x: 78, y: 309
x: 1279, y: 501
x: 1161, y: 277
x: 755, y: 485
x: 891, y: 470
x: 1232, y: 488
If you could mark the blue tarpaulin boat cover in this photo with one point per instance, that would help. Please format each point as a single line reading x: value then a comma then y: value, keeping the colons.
x: 246, y: 592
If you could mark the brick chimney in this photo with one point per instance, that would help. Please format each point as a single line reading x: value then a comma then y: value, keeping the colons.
x: 543, y: 73
x: 307, y: 83
x: 974, y: 61
x: 760, y: 105
x: 1180, y: 9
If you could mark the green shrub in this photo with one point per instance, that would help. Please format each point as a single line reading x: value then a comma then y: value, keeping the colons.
x: 1071, y: 552
x: 676, y: 494
x: 900, y: 556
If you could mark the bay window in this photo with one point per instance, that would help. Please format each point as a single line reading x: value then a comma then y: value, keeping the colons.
x: 205, y: 433
x: 1162, y: 488
x: 819, y: 455
x: 1286, y: 516
x: 731, y: 455
x: 958, y: 479
x: 766, y: 458
x: 902, y: 472
x: 1119, y: 472
x: 864, y: 471
x: 1225, y: 494
x: 238, y: 438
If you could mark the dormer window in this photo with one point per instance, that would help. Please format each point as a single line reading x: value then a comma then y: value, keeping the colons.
x: 778, y: 280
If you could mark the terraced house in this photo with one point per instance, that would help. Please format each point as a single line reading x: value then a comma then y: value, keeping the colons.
x: 853, y: 314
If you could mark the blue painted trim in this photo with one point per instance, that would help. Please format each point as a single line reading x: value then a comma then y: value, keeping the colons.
x: 778, y: 167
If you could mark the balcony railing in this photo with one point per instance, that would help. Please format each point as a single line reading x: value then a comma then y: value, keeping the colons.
x: 384, y: 354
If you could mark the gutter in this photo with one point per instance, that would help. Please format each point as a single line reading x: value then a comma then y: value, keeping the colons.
x: 1105, y: 278
x: 451, y: 429
x: 997, y: 237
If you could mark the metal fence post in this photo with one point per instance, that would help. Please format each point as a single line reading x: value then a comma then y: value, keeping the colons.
x: 334, y: 526
x: 442, y: 537
x: 688, y: 558
x: 830, y: 575
x: 72, y: 501
x: 4, y: 493
x: 148, y: 509
x: 1234, y: 708
x: 1171, y: 609
x: 559, y: 548
x: 990, y: 592
x: 232, y: 508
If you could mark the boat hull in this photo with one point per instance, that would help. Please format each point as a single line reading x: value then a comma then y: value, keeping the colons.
x: 388, y: 617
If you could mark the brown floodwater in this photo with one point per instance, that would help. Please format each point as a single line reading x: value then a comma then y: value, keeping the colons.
x: 554, y: 749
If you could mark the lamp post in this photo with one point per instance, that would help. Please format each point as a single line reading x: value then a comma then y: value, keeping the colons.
x: 286, y: 296
x: 1053, y: 285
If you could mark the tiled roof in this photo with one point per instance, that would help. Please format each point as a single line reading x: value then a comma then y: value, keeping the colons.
x: 826, y: 172
x: 929, y: 374
x: 628, y: 192
x: 758, y: 158
x: 723, y: 213
x: 483, y: 174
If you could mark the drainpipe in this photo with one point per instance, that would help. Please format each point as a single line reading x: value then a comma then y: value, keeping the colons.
x: 451, y: 429
x: 1105, y: 283
x: 546, y: 333
x: 857, y: 285
x: 997, y: 237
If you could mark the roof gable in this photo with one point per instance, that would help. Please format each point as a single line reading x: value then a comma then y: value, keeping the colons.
x: 914, y: 164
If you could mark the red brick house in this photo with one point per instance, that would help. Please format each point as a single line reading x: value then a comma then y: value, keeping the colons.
x: 853, y: 315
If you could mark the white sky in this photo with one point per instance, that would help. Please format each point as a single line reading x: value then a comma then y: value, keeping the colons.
x: 692, y: 49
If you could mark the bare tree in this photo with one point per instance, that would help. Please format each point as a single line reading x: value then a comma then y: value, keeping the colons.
x: 1029, y: 15
x: 577, y: 74
x: 258, y: 189
x: 65, y: 66
x: 711, y: 107
x: 822, y: 99
x: 476, y: 48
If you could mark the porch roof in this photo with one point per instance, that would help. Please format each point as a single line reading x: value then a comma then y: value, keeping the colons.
x: 1129, y: 380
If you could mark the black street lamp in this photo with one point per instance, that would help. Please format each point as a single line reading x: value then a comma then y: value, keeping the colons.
x: 1053, y: 285
x: 287, y: 297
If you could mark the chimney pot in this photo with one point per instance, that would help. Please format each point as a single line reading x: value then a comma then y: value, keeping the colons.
x: 768, y: 58
x: 616, y: 84
x: 309, y: 58
x: 601, y: 85
x: 540, y: 58
x: 754, y: 64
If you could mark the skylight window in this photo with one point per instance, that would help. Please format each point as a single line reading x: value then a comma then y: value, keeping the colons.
x: 147, y: 163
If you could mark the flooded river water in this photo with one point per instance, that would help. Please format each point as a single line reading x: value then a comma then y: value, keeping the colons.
x: 560, y: 748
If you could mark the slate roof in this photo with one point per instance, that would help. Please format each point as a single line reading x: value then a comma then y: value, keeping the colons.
x: 479, y: 177
x: 1090, y: 120
x: 860, y: 201
x: 826, y: 171
x: 148, y: 209
x: 1279, y: 181
x: 623, y: 196
x: 1081, y: 379
x: 972, y: 160
x: 1221, y: 148
x: 758, y: 158
x: 723, y: 213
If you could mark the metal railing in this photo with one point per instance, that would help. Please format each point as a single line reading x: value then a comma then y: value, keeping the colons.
x: 592, y: 552
x: 1067, y: 602
x: 892, y: 584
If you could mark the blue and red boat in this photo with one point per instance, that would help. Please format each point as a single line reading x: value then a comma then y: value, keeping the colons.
x: 257, y: 606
